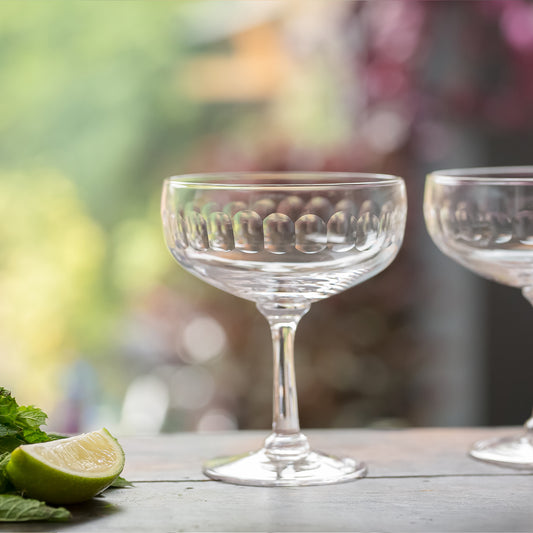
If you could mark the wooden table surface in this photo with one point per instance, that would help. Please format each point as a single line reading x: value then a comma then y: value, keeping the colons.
x: 419, y: 480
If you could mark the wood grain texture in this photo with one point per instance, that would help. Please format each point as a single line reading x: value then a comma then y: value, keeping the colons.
x: 419, y: 480
x: 386, y: 452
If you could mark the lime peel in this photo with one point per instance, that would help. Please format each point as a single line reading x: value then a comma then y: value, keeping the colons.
x: 68, y: 470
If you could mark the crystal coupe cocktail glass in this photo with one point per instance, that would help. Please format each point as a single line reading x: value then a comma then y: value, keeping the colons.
x: 483, y: 219
x: 284, y: 241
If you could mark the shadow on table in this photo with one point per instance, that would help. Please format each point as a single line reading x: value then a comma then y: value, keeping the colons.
x: 82, y: 513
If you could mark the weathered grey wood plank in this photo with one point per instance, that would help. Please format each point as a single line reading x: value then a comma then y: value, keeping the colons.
x: 470, y: 504
x: 420, y: 480
x: 432, y: 451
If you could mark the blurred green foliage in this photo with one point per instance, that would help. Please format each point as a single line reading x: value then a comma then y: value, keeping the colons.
x: 51, y: 261
x: 91, y: 119
x: 91, y: 89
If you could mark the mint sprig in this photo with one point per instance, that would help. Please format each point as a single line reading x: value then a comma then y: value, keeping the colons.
x: 5, y: 484
x: 15, y: 508
x: 20, y: 424
x: 120, y: 483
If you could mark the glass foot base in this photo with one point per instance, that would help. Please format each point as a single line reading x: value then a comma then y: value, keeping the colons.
x: 515, y: 451
x: 257, y: 468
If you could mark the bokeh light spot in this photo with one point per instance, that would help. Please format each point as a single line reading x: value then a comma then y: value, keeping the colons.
x: 203, y: 339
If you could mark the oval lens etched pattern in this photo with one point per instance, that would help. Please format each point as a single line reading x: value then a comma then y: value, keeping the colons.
x: 179, y: 232
x: 366, y: 232
x: 248, y: 231
x: 220, y: 232
x: 279, y: 233
x: 311, y: 236
x: 523, y: 224
x: 292, y: 206
x: 340, y: 229
x: 280, y: 226
x: 501, y: 228
x: 319, y: 206
x: 197, y: 231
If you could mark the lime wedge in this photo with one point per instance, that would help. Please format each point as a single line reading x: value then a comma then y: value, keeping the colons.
x: 68, y: 470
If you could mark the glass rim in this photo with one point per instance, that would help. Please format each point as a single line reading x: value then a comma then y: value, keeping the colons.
x: 499, y: 175
x: 281, y: 180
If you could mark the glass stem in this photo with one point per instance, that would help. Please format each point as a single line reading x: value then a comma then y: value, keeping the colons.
x: 529, y: 425
x: 527, y: 292
x: 286, y: 443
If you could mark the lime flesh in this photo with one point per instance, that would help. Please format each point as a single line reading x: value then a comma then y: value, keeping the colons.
x: 68, y: 470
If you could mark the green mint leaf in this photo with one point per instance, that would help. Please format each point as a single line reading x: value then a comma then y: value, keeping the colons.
x: 19, y: 424
x: 8, y: 407
x: 30, y: 417
x: 15, y: 508
x: 4, y: 392
x: 56, y: 436
x: 121, y: 483
x: 4, y: 458
x: 6, y: 431
x: 5, y: 484
x: 8, y: 444
x: 31, y: 436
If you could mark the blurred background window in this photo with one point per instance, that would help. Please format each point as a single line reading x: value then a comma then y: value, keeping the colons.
x: 99, y: 101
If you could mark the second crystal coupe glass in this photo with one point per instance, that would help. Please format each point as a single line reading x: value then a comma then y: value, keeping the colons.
x: 483, y: 218
x: 284, y: 241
